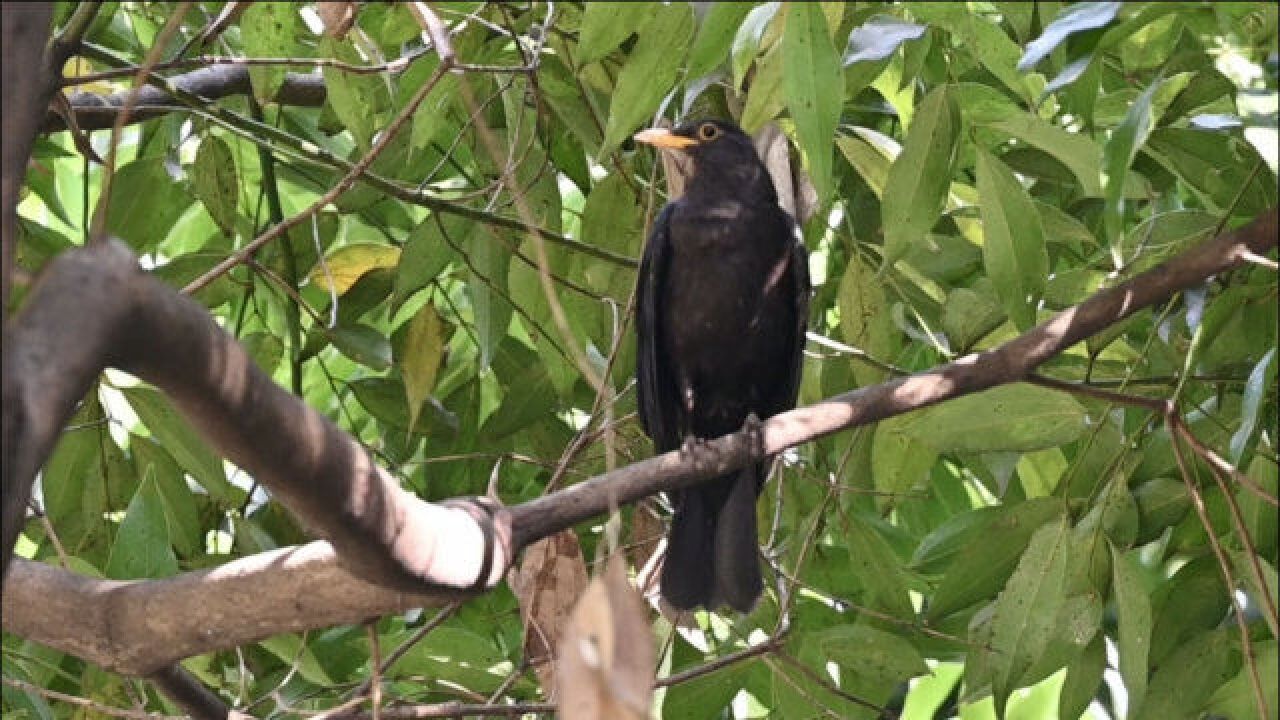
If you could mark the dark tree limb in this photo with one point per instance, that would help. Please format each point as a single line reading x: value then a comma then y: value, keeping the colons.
x: 188, y: 693
x: 24, y: 31
x: 137, y: 627
x: 97, y: 112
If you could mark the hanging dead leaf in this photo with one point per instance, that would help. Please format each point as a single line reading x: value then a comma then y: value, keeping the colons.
x: 796, y: 193
x: 337, y: 17
x: 550, y: 579
x: 605, y: 667
x: 647, y: 530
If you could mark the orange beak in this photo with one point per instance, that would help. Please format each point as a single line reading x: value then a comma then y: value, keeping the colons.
x: 664, y: 138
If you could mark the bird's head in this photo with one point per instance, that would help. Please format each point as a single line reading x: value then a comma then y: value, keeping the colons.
x: 724, y: 159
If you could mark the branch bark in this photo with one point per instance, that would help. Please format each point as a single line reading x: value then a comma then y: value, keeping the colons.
x: 137, y: 627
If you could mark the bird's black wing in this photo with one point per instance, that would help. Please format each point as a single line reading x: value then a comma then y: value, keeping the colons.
x: 799, y: 272
x: 659, y: 399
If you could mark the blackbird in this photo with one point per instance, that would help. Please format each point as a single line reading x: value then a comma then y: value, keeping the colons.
x: 723, y: 296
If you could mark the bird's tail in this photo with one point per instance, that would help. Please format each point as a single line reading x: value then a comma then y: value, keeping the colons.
x: 712, y: 555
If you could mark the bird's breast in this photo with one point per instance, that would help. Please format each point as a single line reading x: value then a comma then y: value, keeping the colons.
x: 725, y: 309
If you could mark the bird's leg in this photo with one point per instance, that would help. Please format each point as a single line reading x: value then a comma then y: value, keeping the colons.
x: 691, y: 441
x: 755, y: 435
x: 692, y: 445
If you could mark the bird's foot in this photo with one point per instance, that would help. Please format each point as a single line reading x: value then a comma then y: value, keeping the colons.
x: 698, y: 449
x: 755, y: 435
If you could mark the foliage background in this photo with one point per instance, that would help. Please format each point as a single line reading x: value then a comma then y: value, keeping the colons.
x: 977, y: 167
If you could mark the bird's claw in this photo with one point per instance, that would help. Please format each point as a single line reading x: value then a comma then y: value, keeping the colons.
x: 698, y: 449
x: 755, y: 435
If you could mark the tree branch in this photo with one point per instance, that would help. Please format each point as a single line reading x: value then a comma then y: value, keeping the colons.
x: 94, y: 303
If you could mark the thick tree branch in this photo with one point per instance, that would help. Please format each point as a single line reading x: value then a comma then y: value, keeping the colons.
x: 137, y: 627
x: 94, y: 308
x: 140, y: 627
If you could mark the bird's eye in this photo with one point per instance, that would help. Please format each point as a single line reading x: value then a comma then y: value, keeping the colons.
x: 707, y: 131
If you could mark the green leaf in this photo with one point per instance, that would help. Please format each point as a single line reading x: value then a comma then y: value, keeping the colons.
x: 1259, y: 581
x: 870, y: 654
x: 899, y: 462
x: 981, y: 39
x: 814, y: 88
x: 1255, y: 391
x: 746, y: 42
x: 605, y: 25
x: 1186, y: 681
x: 180, y: 508
x: 1118, y: 154
x: 928, y: 693
x: 1081, y: 155
x: 878, y: 38
x: 487, y: 287
x: 1017, y: 417
x: 982, y: 567
x: 1074, y: 19
x: 173, y: 433
x: 871, y: 154
x: 1194, y: 599
x: 266, y: 350
x: 433, y: 121
x: 877, y: 566
x: 1084, y: 677
x: 359, y: 100
x: 363, y: 344
x: 426, y: 253
x: 269, y: 30
x: 611, y: 219
x: 715, y: 35
x: 649, y: 72
x: 145, y: 202
x: 1115, y: 514
x: 142, y: 548
x: 215, y: 182
x: 291, y: 650
x: 1236, y: 698
x: 1013, y: 247
x: 940, y: 546
x: 765, y: 96
x: 968, y: 316
x: 1162, y: 503
x: 1023, y: 623
x: 73, y: 481
x: 916, y: 189
x: 1164, y: 235
x: 1217, y: 167
x: 865, y: 322
x: 1260, y: 517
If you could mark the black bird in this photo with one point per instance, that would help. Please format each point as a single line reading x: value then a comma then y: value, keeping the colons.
x: 723, y: 301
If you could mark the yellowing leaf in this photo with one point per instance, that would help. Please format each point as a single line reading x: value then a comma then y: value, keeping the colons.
x: 77, y: 66
x: 424, y: 348
x: 348, y: 263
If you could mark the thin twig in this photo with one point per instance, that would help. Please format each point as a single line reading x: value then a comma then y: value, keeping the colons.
x: 86, y: 703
